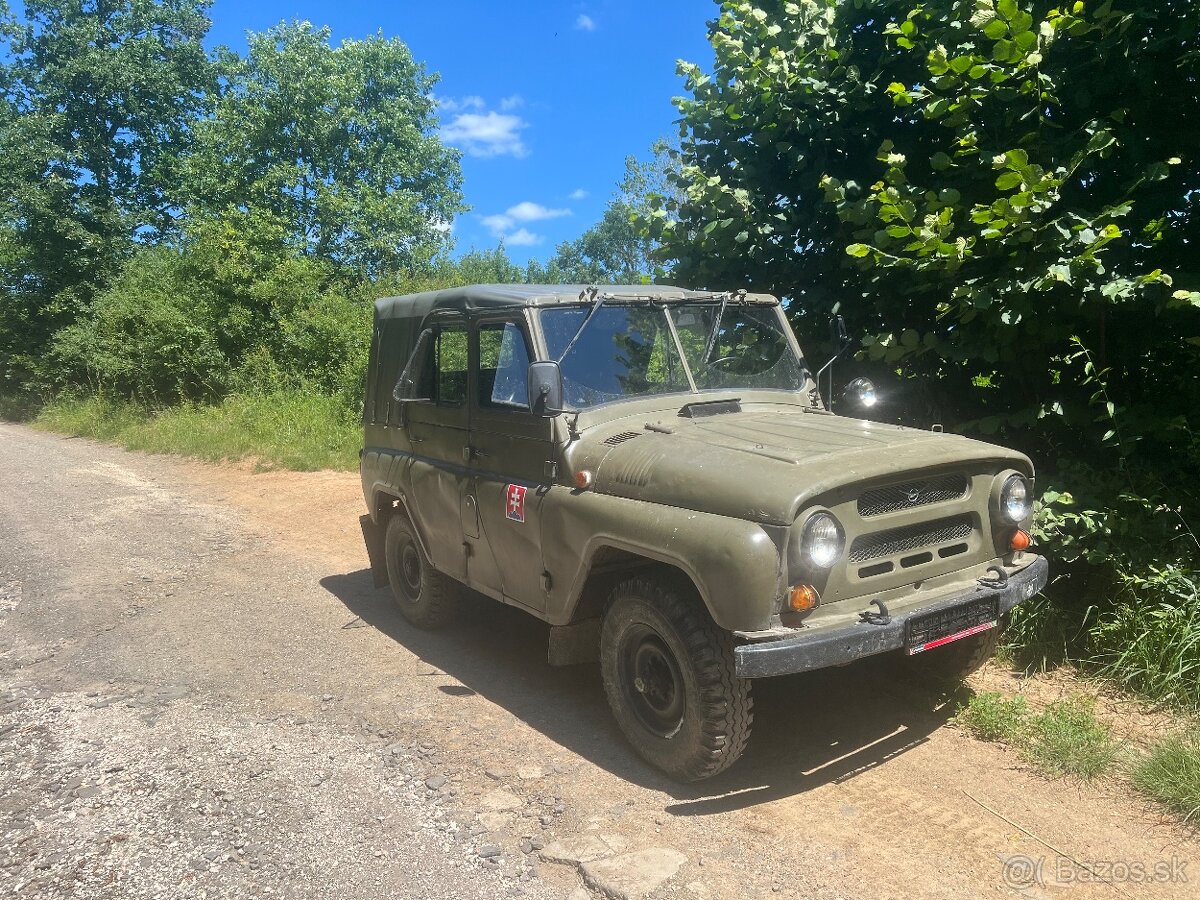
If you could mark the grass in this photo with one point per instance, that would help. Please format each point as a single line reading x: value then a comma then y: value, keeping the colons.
x: 299, y: 430
x: 991, y: 716
x: 1170, y: 774
x: 1064, y: 739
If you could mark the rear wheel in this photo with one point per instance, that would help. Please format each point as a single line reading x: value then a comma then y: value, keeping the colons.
x: 669, y: 677
x: 424, y: 596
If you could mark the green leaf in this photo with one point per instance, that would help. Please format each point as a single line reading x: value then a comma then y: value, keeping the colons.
x: 940, y: 161
x: 1008, y: 180
x: 858, y: 250
x: 995, y: 29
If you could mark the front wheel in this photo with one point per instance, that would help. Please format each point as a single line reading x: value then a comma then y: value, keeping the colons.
x: 669, y: 678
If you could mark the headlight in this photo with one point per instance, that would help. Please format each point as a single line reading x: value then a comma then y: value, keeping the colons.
x: 1015, y: 502
x: 822, y: 541
x: 862, y: 391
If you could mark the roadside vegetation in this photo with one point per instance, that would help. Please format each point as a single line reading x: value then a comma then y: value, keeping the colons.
x: 988, y: 191
x: 1067, y: 739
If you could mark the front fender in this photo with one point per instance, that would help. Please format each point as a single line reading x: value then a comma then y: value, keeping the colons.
x: 736, y: 565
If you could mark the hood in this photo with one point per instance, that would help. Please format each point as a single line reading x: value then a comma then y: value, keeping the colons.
x: 765, y: 464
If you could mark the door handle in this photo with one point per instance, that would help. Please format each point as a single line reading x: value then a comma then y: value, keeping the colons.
x: 470, y: 453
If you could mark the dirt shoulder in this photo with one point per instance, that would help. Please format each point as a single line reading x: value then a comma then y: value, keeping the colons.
x: 212, y: 637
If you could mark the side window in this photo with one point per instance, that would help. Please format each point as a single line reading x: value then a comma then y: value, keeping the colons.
x: 450, y: 370
x: 503, y: 375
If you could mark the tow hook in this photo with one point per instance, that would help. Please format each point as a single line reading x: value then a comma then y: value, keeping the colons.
x: 883, y: 617
x: 999, y: 582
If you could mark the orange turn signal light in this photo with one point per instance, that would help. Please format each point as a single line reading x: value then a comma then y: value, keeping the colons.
x: 583, y: 479
x: 803, y: 597
x: 1020, y: 540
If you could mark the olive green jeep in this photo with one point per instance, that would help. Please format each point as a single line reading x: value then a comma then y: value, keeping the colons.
x: 654, y: 472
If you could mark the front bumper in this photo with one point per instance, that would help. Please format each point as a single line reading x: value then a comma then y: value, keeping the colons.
x: 836, y: 646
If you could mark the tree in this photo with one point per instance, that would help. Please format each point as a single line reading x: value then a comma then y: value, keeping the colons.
x: 338, y: 145
x: 617, y: 250
x: 1004, y: 194
x: 98, y: 99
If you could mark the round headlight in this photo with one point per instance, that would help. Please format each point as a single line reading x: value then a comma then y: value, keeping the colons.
x: 1015, y: 502
x: 822, y: 541
x: 862, y: 390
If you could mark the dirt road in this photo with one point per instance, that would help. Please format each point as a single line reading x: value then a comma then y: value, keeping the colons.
x: 201, y: 695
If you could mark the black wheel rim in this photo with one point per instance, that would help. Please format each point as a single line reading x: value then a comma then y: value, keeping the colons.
x: 408, y: 569
x: 651, y: 681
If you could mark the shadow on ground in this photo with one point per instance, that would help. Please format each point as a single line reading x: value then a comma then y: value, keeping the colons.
x: 809, y: 729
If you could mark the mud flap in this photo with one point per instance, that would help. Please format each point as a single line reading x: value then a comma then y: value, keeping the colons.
x: 373, y: 536
x: 571, y: 645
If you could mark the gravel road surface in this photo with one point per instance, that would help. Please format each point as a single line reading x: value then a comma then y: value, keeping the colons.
x: 202, y: 695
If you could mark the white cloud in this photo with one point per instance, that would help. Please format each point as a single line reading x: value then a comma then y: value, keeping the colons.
x: 522, y: 237
x: 525, y: 211
x: 451, y: 105
x: 585, y: 23
x: 501, y: 225
x: 578, y: 194
x: 486, y: 134
x: 514, y: 102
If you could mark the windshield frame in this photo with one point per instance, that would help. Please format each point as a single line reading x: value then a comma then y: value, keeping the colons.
x: 664, y: 307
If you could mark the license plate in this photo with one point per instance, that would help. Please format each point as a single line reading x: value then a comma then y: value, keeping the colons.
x: 954, y: 623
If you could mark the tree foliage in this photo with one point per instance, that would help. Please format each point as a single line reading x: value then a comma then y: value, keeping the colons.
x: 337, y: 144
x: 99, y: 96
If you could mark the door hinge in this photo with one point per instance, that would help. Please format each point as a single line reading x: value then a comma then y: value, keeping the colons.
x: 547, y: 582
x: 550, y: 469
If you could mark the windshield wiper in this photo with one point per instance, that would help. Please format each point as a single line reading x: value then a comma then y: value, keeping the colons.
x: 716, y: 327
x: 596, y: 304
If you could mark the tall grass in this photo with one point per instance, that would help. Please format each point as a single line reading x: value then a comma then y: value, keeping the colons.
x: 293, y: 429
x: 1171, y: 774
x: 1143, y: 634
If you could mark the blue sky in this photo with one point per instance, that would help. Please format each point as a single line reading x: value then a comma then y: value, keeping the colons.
x: 546, y: 99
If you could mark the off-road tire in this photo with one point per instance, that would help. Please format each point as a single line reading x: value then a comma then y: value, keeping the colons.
x: 424, y: 596
x: 946, y: 665
x: 651, y: 622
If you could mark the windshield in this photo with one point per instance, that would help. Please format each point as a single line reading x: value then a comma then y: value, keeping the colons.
x: 625, y: 351
x: 629, y: 351
x: 748, y: 350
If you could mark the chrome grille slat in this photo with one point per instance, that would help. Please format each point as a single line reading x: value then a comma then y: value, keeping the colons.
x: 911, y: 537
x: 892, y: 498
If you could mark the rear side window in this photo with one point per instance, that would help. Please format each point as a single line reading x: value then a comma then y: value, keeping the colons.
x: 437, y: 368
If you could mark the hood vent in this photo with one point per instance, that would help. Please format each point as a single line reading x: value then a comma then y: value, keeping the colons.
x: 613, y: 439
x: 705, y: 408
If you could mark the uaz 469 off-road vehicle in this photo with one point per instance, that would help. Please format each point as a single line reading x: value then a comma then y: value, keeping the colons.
x: 652, y: 471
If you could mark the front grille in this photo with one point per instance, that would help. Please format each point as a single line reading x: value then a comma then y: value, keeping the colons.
x: 911, y: 537
x: 912, y: 494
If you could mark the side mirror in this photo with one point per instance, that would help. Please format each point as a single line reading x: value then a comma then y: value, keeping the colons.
x: 545, y: 389
x: 841, y: 337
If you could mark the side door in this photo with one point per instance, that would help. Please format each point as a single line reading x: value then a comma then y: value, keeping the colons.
x: 512, y: 458
x: 436, y: 426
